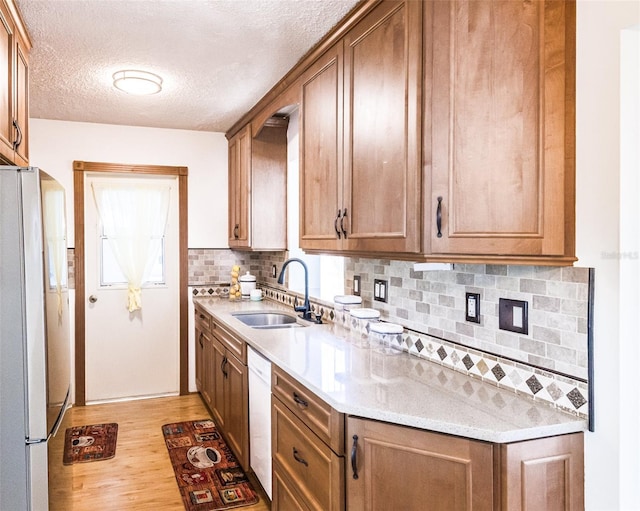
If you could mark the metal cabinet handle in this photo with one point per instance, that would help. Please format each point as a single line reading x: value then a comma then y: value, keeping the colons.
x: 335, y: 224
x: 298, y: 458
x: 18, y: 140
x: 301, y: 402
x: 202, y: 316
x: 235, y: 231
x: 354, y: 451
x: 439, y: 218
x: 93, y: 299
x: 344, y: 231
x: 200, y: 340
x: 223, y: 366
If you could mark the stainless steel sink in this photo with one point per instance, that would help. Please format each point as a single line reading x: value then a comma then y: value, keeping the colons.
x: 266, y: 320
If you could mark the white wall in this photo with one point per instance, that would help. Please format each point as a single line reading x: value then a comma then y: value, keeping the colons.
x: 54, y: 145
x: 612, y: 477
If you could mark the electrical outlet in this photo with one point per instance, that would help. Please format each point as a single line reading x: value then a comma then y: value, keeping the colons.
x: 356, y: 285
x: 380, y: 290
x: 274, y: 271
x: 472, y: 307
x: 513, y: 315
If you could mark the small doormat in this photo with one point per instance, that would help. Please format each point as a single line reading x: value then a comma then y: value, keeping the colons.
x: 90, y: 443
x: 207, y: 472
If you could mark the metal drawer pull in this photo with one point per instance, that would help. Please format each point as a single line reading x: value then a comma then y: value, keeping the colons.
x: 335, y: 224
x: 301, y: 402
x: 344, y: 231
x: 223, y: 367
x: 354, y: 450
x: 202, y: 316
x: 200, y: 339
x: 439, y: 218
x: 298, y: 458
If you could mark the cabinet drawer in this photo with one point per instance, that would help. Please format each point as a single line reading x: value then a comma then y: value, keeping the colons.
x: 317, y: 472
x: 202, y: 320
x: 235, y: 346
x: 285, y: 497
x: 321, y: 418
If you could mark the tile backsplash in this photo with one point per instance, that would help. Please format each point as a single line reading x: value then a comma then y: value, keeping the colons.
x: 550, y: 363
x: 432, y: 302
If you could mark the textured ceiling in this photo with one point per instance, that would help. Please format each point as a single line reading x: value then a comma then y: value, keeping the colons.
x: 217, y: 57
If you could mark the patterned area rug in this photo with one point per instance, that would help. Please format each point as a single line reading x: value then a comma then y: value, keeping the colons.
x: 208, y: 474
x: 90, y: 443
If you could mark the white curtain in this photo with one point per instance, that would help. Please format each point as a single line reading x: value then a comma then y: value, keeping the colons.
x: 132, y: 216
x: 55, y: 233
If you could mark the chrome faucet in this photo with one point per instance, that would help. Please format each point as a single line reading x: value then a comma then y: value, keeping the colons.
x: 306, y: 308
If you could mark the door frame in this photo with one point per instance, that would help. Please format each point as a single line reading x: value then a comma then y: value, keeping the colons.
x: 80, y: 168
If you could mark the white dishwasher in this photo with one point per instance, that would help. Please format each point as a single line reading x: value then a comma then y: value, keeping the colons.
x: 260, y: 417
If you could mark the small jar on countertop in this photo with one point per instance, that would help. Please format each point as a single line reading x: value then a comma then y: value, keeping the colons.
x: 386, y: 337
x: 341, y: 306
x: 360, y: 321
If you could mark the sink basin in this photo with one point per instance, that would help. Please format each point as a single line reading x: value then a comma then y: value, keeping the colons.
x: 267, y: 319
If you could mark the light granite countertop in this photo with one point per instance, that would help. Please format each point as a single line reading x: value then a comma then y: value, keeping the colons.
x: 401, y: 388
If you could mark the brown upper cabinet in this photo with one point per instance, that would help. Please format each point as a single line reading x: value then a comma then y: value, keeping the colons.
x: 14, y: 86
x: 441, y: 131
x: 257, y: 187
x: 360, y: 138
x: 500, y: 147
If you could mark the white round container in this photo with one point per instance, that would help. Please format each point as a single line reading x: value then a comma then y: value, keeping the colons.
x: 247, y: 284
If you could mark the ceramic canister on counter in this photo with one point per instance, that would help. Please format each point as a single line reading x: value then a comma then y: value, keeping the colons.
x: 247, y: 284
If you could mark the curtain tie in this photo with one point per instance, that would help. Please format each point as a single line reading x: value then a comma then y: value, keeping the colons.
x: 134, y: 298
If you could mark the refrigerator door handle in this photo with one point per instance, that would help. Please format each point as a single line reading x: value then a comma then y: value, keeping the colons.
x: 30, y: 441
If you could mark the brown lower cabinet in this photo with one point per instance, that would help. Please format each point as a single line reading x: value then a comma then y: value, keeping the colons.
x: 222, y: 378
x: 397, y: 467
x: 378, y: 466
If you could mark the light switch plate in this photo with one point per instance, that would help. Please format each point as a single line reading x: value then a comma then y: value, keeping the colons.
x: 513, y: 315
x: 356, y: 285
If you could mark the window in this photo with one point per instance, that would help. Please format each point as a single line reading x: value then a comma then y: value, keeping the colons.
x: 111, y: 274
x: 326, y: 273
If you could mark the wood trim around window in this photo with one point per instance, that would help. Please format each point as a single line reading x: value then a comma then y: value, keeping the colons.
x: 79, y: 170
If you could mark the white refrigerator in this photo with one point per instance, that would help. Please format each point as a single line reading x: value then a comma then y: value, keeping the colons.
x: 35, y: 369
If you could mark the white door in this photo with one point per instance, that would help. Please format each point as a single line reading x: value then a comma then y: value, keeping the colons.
x: 130, y: 354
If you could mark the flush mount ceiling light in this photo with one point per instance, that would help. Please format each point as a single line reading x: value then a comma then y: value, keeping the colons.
x: 140, y: 83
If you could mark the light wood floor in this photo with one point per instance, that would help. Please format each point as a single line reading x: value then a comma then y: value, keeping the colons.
x: 140, y: 476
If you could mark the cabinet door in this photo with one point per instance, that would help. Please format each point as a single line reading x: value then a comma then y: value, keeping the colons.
x: 383, y: 73
x: 547, y: 473
x: 236, y: 409
x: 21, y: 103
x: 199, y: 347
x: 216, y: 369
x: 321, y: 153
x: 502, y: 127
x: 403, y: 468
x: 208, y: 369
x: 6, y: 83
x: 239, y: 189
